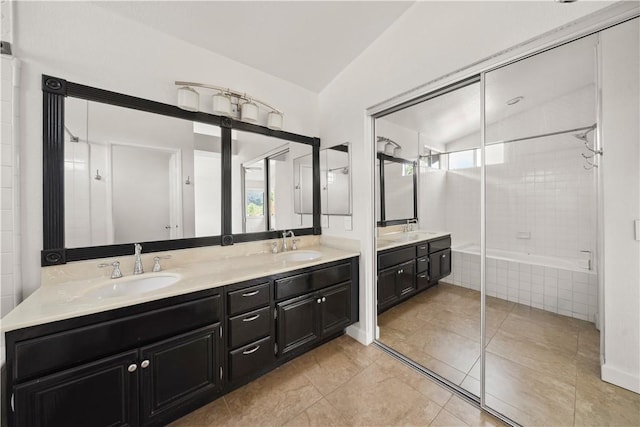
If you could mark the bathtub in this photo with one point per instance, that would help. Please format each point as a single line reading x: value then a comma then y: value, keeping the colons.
x: 559, y: 285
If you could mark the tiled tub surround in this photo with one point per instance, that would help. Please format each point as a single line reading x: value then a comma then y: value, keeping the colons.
x: 549, y: 283
x: 64, y: 288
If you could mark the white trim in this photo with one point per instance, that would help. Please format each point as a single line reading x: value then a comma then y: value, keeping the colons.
x: 359, y: 334
x: 620, y: 378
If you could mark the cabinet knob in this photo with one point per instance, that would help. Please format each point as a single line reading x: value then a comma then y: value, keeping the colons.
x: 319, y: 300
x: 144, y: 364
x: 400, y: 271
x: 324, y: 299
x: 444, y: 255
x: 132, y: 367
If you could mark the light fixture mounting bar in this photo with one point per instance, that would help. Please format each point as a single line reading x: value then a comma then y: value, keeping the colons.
x: 226, y: 90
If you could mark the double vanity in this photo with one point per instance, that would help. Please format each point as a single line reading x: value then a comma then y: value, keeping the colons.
x: 410, y: 262
x: 147, y: 349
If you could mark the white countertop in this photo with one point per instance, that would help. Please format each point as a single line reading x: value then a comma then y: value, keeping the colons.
x: 398, y: 239
x: 66, y: 300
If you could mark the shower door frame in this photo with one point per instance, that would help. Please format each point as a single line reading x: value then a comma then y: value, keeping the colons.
x: 591, y: 24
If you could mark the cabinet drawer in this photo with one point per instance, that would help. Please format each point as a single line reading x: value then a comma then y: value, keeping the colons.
x: 422, y: 264
x: 248, y: 298
x: 250, y: 359
x: 249, y: 326
x: 303, y: 283
x: 440, y: 244
x: 395, y: 257
x: 422, y: 281
x: 422, y: 250
x: 61, y: 350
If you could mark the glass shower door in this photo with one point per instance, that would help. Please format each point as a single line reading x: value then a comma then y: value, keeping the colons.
x: 540, y: 195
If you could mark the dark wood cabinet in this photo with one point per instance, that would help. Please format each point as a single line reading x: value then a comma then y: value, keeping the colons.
x: 396, y: 283
x: 179, y: 370
x: 309, y: 318
x: 99, y: 394
x: 406, y: 270
x: 298, y: 322
x: 149, y: 364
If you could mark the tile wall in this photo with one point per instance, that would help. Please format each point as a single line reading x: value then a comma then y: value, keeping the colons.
x: 10, y: 275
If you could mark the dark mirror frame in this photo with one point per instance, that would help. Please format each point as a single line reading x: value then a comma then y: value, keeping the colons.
x: 54, y: 92
x: 383, y: 221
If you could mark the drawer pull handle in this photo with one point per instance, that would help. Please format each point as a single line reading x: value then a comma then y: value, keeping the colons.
x: 250, y: 319
x: 422, y: 248
x: 144, y: 364
x: 250, y: 294
x: 253, y: 350
x: 422, y: 276
x: 132, y: 367
x: 404, y: 291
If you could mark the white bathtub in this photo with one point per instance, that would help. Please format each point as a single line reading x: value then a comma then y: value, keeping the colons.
x: 563, y: 286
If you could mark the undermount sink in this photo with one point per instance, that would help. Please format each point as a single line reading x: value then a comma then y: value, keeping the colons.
x: 133, y: 286
x: 299, y: 256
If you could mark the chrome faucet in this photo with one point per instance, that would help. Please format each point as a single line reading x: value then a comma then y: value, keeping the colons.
x: 137, y: 266
x: 410, y: 223
x: 116, y: 273
x: 284, y: 239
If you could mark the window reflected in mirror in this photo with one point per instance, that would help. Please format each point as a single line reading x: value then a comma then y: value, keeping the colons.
x: 133, y: 176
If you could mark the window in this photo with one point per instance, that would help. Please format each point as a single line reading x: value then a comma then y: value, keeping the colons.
x: 255, y: 203
x: 407, y: 169
x: 462, y: 159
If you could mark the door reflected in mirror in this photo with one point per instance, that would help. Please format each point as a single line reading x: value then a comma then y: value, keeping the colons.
x: 269, y: 191
x: 133, y: 176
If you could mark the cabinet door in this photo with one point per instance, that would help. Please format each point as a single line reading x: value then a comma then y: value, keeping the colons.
x: 434, y: 266
x: 335, y: 309
x: 445, y: 263
x: 179, y: 371
x: 298, y: 322
x: 405, y: 279
x: 387, y: 287
x: 103, y: 393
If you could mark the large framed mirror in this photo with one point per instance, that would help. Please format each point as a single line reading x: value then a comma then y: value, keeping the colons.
x: 398, y: 190
x: 119, y: 170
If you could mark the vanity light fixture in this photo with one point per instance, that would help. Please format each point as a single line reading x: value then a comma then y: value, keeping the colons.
x: 230, y: 103
x: 389, y: 147
x: 188, y: 99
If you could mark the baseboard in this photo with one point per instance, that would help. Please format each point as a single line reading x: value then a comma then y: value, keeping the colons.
x: 620, y: 378
x: 358, y: 334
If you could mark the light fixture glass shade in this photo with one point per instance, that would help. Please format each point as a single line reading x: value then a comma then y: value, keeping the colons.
x: 382, y: 144
x: 249, y: 112
x: 397, y: 151
x: 389, y: 149
x: 188, y: 99
x: 221, y: 104
x: 274, y: 120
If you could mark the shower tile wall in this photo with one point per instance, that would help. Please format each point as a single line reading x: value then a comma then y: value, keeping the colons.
x: 541, y: 200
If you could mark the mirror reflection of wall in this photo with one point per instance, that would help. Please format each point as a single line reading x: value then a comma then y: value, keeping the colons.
x: 150, y: 177
x: 265, y: 186
x: 335, y: 181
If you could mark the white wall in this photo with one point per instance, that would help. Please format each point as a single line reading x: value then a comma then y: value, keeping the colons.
x: 621, y: 187
x: 430, y: 40
x: 87, y: 44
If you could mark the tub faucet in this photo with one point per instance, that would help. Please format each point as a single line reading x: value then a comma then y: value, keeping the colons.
x: 137, y: 266
x: 284, y: 239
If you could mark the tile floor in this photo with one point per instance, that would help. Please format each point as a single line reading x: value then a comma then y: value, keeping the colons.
x: 542, y: 368
x: 341, y: 383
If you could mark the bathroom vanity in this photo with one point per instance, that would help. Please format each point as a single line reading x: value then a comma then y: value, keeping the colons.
x: 409, y: 263
x: 150, y: 362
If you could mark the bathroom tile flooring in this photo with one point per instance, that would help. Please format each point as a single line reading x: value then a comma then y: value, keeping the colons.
x: 341, y: 383
x: 542, y: 368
